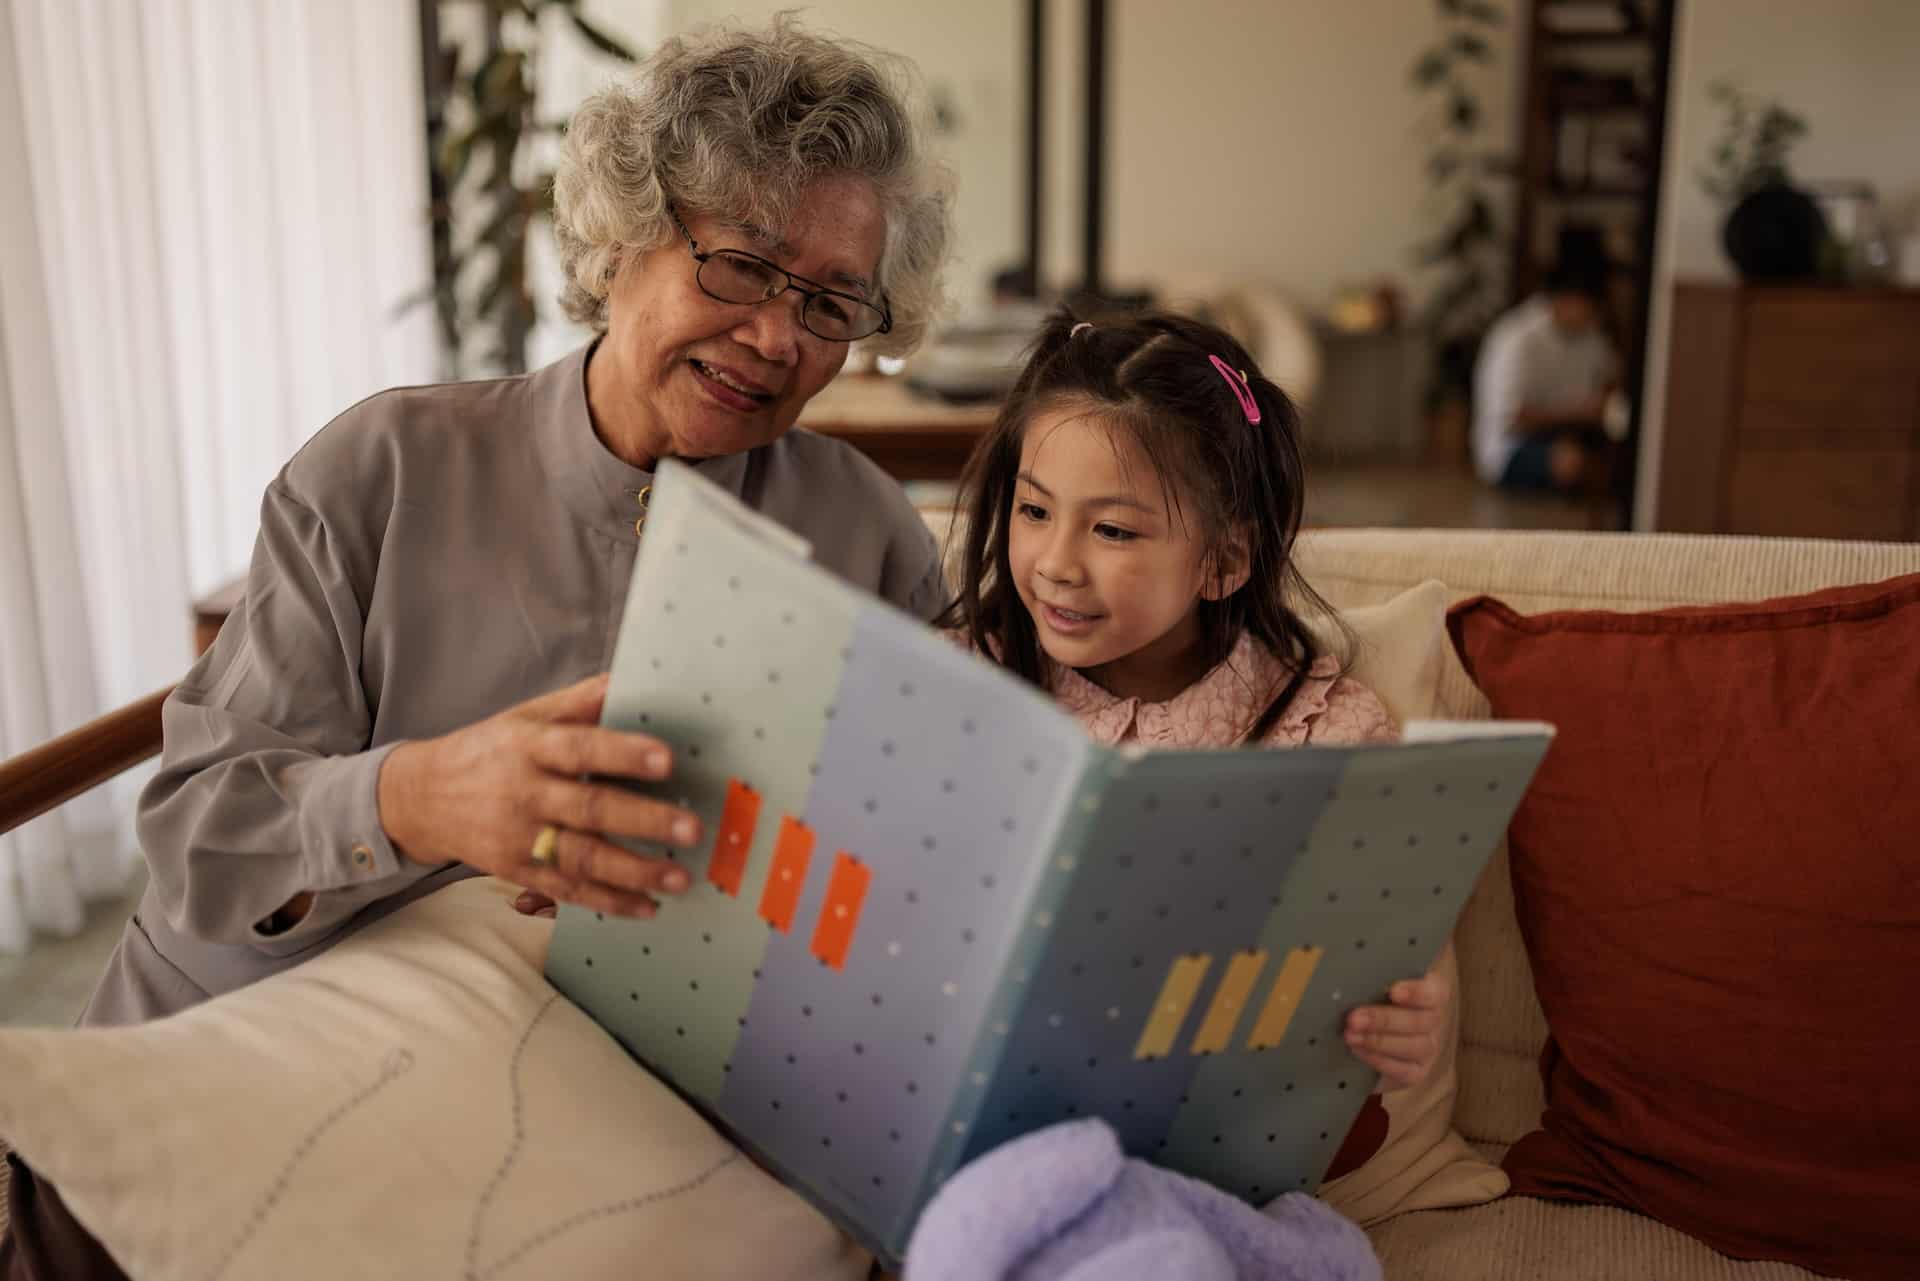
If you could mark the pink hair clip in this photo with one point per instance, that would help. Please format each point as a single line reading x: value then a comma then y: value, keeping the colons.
x: 1242, y: 392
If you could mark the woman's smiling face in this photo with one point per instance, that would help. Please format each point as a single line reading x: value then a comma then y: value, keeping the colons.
x: 681, y: 374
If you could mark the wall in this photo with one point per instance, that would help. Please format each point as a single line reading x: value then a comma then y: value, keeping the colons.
x: 1280, y: 140
x: 1848, y: 67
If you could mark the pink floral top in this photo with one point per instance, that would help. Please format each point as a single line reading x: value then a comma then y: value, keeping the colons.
x: 1219, y: 708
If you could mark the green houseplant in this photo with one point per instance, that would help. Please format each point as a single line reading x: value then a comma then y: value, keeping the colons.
x: 491, y: 180
x: 1772, y: 230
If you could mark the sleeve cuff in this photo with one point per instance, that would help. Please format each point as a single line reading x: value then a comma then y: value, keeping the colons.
x: 342, y: 843
x: 345, y: 855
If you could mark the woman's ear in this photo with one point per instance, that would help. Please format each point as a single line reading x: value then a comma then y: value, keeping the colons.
x: 1231, y: 568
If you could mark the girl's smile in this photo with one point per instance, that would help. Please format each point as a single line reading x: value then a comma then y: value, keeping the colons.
x: 1066, y: 621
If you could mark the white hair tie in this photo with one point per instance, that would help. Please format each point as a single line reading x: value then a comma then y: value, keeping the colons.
x: 1075, y: 331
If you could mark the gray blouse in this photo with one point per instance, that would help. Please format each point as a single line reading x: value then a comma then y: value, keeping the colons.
x: 434, y: 555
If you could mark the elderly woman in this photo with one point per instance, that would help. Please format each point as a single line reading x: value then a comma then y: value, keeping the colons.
x: 411, y: 692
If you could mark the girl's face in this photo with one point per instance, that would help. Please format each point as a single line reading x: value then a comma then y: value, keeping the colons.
x: 1112, y: 577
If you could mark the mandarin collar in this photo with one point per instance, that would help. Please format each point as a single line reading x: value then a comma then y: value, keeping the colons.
x: 596, y: 484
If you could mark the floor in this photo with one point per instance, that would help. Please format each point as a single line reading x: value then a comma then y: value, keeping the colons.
x: 49, y: 985
x: 1436, y: 497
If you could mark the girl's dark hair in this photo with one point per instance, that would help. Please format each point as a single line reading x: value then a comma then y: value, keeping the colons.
x: 1148, y: 374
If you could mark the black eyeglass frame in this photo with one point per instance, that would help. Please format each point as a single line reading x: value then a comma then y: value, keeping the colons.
x: 807, y: 289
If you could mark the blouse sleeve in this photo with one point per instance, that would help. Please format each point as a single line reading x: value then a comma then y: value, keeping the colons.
x: 913, y: 577
x: 266, y: 787
x: 1353, y: 714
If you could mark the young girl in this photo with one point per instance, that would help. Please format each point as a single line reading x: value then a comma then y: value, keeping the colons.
x: 1128, y: 542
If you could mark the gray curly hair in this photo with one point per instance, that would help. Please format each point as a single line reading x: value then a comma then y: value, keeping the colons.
x: 737, y: 123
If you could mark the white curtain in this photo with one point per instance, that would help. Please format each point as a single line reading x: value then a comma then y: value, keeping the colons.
x: 209, y: 210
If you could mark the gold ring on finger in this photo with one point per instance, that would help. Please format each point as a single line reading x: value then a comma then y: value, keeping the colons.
x: 546, y: 846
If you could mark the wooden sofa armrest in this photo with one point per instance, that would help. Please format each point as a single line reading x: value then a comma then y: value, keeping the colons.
x: 36, y: 781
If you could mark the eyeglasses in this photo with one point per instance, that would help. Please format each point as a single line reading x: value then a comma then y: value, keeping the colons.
x: 735, y: 276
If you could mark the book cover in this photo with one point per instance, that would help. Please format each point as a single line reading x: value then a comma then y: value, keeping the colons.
x: 933, y: 915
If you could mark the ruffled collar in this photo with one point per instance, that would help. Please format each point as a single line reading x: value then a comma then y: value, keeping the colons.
x: 1214, y: 711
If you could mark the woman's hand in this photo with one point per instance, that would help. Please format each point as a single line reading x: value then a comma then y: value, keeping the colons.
x: 1402, y: 1041
x: 481, y: 796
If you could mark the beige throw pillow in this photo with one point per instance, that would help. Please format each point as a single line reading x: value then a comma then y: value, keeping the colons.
x: 1423, y: 1163
x: 417, y: 1102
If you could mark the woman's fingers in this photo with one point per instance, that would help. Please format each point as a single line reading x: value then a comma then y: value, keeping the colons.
x: 601, y: 807
x: 591, y: 895
x: 584, y: 858
x: 578, y: 703
x: 573, y: 750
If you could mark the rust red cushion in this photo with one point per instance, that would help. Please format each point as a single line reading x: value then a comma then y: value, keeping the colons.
x: 1717, y: 877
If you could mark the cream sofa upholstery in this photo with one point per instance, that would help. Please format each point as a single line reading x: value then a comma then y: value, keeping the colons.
x: 1502, y: 1029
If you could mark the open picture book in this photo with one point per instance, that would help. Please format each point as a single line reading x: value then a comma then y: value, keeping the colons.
x: 933, y: 915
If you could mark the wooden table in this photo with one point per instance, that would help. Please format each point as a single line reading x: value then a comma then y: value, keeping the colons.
x: 914, y: 437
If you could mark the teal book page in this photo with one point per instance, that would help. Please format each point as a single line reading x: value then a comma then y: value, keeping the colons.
x: 1229, y: 910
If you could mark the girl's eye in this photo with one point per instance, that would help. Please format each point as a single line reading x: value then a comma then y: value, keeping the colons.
x: 1032, y: 511
x: 1115, y: 534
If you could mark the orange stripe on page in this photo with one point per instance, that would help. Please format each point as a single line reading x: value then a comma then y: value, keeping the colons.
x: 1289, y: 986
x: 737, y: 821
x: 841, y: 913
x: 1216, y: 1030
x: 792, y: 851
x: 1170, y: 1008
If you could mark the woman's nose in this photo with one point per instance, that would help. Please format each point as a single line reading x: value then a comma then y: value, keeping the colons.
x: 774, y: 330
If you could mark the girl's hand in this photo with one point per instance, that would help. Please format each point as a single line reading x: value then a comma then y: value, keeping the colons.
x: 1402, y: 1041
x: 482, y: 796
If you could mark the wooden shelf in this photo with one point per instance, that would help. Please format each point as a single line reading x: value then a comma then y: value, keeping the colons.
x: 1591, y: 101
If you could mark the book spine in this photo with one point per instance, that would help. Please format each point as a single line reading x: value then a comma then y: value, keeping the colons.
x: 1054, y: 864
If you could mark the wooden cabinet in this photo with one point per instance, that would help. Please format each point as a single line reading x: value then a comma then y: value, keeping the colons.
x: 1792, y: 411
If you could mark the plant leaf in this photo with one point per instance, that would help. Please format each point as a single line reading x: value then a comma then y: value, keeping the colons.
x: 455, y: 154
x: 600, y: 39
x: 1470, y: 46
x: 508, y: 224
x: 502, y: 77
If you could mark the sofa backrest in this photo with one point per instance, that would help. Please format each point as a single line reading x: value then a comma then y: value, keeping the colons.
x: 1502, y: 1029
